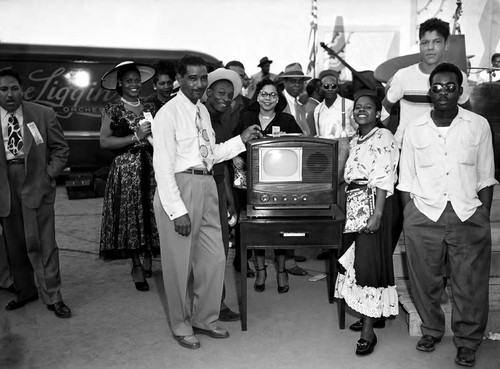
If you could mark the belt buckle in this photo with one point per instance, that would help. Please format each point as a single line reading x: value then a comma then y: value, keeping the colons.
x: 205, y: 171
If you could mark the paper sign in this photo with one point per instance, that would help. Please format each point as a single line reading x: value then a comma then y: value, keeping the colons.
x: 35, y: 133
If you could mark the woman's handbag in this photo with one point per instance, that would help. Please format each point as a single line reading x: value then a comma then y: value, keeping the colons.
x: 360, y: 206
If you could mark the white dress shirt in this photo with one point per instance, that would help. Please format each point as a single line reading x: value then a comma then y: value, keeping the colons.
x: 328, y: 120
x: 176, y: 148
x: 438, y: 166
x: 4, y: 115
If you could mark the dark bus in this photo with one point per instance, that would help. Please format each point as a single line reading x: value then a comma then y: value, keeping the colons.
x: 67, y: 79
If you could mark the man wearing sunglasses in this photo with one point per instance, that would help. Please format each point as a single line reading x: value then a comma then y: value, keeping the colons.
x: 410, y: 85
x: 446, y: 182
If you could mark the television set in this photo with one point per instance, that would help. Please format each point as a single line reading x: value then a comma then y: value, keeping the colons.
x: 292, y: 176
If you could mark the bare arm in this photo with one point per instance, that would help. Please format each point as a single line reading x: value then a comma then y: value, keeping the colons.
x: 486, y: 196
x: 373, y: 223
x: 108, y: 141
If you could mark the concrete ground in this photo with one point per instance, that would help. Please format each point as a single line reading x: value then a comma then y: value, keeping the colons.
x: 115, y: 326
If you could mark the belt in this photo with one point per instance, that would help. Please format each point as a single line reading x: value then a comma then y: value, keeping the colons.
x: 15, y: 161
x: 200, y: 172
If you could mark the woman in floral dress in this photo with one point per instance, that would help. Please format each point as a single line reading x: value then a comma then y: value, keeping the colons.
x: 128, y: 227
x: 367, y: 283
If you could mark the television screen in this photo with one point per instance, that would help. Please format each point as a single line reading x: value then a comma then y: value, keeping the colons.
x: 280, y: 164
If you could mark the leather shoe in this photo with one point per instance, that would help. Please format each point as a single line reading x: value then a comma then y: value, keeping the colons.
x: 427, y: 343
x: 14, y: 304
x: 465, y: 356
x: 227, y: 315
x: 214, y: 333
x: 190, y: 342
x: 296, y: 270
x: 60, y: 309
x: 299, y: 258
x: 364, y: 347
x: 358, y: 326
x: 142, y: 286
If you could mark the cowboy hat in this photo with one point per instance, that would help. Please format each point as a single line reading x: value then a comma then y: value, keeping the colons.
x: 294, y: 70
x: 227, y: 74
x: 108, y: 81
x: 263, y: 61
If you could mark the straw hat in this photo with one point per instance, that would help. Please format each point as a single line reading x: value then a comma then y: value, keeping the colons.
x: 108, y: 81
x: 223, y: 73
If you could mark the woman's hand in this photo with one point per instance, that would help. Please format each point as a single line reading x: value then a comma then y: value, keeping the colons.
x: 143, y: 130
x: 373, y: 224
x: 239, y: 163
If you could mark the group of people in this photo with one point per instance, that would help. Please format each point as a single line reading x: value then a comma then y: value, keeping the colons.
x: 170, y: 190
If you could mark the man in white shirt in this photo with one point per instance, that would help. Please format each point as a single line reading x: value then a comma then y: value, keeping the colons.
x: 446, y: 183
x: 410, y: 85
x: 186, y: 205
x: 491, y: 74
x: 294, y: 79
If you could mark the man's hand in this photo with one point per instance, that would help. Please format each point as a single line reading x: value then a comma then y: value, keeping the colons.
x: 251, y: 133
x: 183, y: 225
x: 239, y: 163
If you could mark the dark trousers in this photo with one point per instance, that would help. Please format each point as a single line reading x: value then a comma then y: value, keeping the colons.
x: 30, y: 242
x: 466, y: 246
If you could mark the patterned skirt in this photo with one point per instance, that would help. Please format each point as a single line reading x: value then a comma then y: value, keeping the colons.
x: 128, y: 221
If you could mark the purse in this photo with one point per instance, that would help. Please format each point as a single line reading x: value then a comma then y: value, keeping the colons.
x: 360, y: 206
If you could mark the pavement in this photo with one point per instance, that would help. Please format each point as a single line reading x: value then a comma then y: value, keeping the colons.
x: 115, y: 326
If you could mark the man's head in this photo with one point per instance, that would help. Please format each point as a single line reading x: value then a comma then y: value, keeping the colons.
x: 237, y: 67
x: 495, y: 60
x: 313, y: 88
x: 293, y: 79
x: 265, y: 65
x: 223, y: 86
x: 192, y: 76
x: 11, y: 90
x: 433, y: 35
x: 446, y: 86
x: 329, y: 84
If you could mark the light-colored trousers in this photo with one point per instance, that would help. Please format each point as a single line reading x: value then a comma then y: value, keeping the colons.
x: 193, y: 266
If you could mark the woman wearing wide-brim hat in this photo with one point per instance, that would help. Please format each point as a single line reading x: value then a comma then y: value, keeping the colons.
x: 128, y: 227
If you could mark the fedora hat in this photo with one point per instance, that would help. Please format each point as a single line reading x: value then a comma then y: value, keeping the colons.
x: 294, y: 70
x: 263, y: 61
x: 227, y: 74
x: 108, y: 81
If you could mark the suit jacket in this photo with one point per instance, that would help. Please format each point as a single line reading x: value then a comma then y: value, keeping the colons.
x: 42, y: 161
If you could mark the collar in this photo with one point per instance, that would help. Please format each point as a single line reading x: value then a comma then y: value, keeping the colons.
x: 290, y: 97
x: 18, y: 112
x: 461, y: 115
x: 183, y: 98
x: 315, y: 100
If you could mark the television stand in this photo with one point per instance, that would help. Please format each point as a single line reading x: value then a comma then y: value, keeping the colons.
x: 293, y: 233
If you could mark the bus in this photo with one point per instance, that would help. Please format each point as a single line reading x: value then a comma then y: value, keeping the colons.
x: 67, y: 79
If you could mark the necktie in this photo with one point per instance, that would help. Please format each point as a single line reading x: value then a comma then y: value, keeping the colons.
x: 206, y: 153
x: 14, y: 139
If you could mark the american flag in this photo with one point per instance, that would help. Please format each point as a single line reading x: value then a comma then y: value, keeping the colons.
x: 311, y: 67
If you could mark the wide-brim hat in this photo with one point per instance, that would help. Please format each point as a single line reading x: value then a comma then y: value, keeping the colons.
x: 294, y: 70
x: 108, y: 81
x: 263, y: 61
x: 225, y: 74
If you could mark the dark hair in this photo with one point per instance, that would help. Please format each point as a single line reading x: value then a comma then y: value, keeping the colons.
x: 235, y: 63
x: 164, y: 67
x: 120, y: 73
x: 11, y: 73
x: 190, y: 59
x: 447, y: 68
x: 313, y: 85
x: 434, y: 24
x: 494, y: 56
x: 281, y: 98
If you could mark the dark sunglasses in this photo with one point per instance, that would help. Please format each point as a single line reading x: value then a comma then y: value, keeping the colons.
x: 449, y: 88
x: 327, y: 86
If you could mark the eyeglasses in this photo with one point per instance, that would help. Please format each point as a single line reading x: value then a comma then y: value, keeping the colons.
x: 272, y: 95
x: 449, y: 88
x: 327, y: 86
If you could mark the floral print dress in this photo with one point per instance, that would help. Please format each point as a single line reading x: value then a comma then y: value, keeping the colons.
x: 128, y: 222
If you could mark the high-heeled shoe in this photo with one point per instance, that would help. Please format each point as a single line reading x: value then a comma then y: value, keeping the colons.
x: 284, y: 288
x: 140, y: 286
x: 260, y: 287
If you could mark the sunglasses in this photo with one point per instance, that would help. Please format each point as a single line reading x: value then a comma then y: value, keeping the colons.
x: 327, y: 86
x: 272, y: 95
x: 449, y: 88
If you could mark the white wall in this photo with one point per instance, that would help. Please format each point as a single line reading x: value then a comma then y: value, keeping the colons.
x: 230, y: 29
